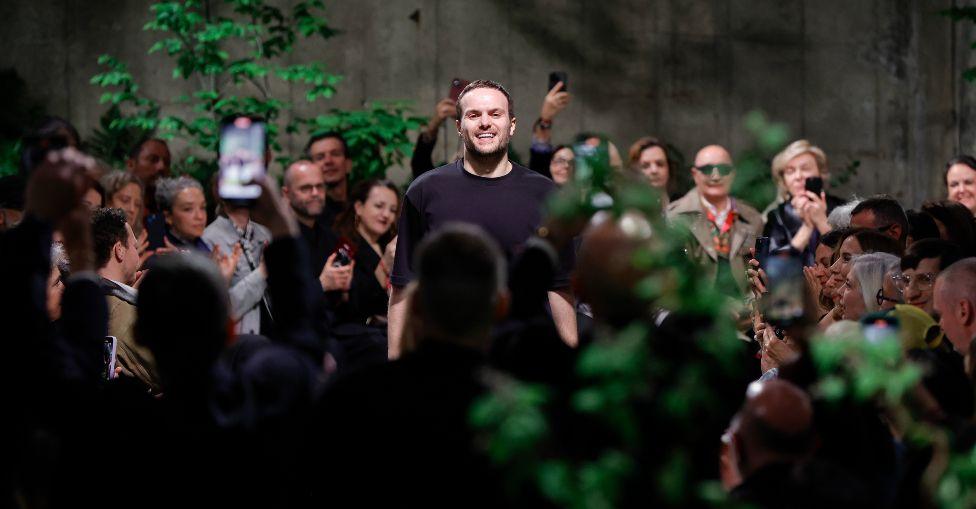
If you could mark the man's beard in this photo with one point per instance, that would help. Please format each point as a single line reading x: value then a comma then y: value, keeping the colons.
x: 473, y: 152
x: 302, y: 209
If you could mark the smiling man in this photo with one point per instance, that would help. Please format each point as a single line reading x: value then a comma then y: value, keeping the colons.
x: 724, y: 229
x: 483, y: 188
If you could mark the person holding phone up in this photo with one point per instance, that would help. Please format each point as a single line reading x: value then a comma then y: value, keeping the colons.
x: 800, y: 218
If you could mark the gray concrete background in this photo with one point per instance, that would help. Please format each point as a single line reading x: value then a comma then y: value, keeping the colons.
x: 871, y: 80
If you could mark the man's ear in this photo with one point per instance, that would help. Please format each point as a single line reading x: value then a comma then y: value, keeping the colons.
x: 457, y: 124
x: 966, y: 312
x: 511, y: 129
x: 118, y: 251
x: 896, y: 231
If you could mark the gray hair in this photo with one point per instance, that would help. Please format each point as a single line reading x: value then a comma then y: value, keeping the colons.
x: 870, y: 270
x: 113, y: 182
x: 59, y: 259
x: 168, y: 188
x: 840, y: 217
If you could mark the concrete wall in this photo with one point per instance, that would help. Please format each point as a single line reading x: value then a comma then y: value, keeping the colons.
x: 871, y: 80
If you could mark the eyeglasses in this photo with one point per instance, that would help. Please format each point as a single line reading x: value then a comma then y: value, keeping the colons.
x: 883, y: 229
x: 881, y: 298
x: 923, y: 281
x: 562, y: 161
x: 723, y: 169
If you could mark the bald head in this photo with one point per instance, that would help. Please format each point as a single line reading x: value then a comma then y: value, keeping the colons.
x: 774, y: 425
x: 605, y: 274
x: 713, y: 154
x: 305, y: 190
x: 713, y: 174
x: 954, y: 303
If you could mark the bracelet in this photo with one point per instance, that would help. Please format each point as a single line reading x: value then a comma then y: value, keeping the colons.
x: 545, y: 125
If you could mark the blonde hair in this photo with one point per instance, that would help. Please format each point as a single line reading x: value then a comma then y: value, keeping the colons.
x: 797, y: 148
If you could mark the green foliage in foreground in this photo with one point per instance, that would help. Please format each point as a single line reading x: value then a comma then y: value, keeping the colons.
x: 236, y: 54
x: 640, y: 426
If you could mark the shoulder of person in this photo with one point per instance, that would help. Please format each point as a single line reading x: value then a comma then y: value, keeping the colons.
x: 748, y: 213
x: 689, y: 203
x: 216, y: 230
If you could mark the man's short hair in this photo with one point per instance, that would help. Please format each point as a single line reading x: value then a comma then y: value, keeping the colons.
x: 959, y: 280
x: 460, y: 272
x: 113, y: 182
x: 886, y: 209
x: 108, y: 227
x: 946, y: 252
x: 168, y: 188
x: 486, y: 84
x: 323, y: 136
x: 136, y: 148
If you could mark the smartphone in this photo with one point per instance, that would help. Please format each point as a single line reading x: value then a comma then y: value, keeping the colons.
x: 457, y: 86
x: 878, y: 327
x: 762, y: 251
x: 242, y: 145
x: 344, y: 254
x: 814, y: 185
x: 783, y: 305
x: 109, y: 348
x: 556, y: 77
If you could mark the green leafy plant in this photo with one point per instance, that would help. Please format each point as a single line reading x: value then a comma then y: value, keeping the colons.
x: 233, y: 53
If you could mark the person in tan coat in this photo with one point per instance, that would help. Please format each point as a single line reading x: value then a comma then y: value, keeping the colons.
x: 724, y: 228
x: 117, y: 259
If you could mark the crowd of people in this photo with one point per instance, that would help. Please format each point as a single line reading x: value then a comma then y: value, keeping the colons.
x: 324, y: 344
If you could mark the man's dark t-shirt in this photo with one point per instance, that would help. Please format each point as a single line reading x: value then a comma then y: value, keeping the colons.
x: 509, y: 208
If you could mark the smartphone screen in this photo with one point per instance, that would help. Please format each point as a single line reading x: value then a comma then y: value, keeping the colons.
x: 783, y: 305
x: 556, y: 77
x: 109, y: 349
x: 762, y: 251
x: 242, y: 144
x: 457, y: 86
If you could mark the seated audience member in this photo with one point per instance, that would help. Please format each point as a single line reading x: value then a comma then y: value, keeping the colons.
x: 239, y: 423
x: 11, y: 201
x: 884, y: 214
x: 304, y: 188
x: 94, y: 197
x: 724, y: 229
x: 770, y: 444
x: 864, y: 282
x: 368, y: 225
x: 649, y: 157
x: 124, y: 191
x: 954, y: 299
x: 427, y: 391
x: 856, y: 241
x: 149, y: 161
x: 960, y: 181
x: 330, y: 153
x: 234, y: 232
x: 184, y: 208
x: 818, y: 274
x: 60, y: 270
x: 921, y: 264
x: 955, y: 223
x: 840, y: 217
x: 800, y: 218
x: 921, y: 226
x: 52, y: 134
x: 117, y: 260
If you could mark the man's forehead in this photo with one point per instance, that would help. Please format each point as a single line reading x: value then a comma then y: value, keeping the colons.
x: 326, y: 145
x: 484, y: 99
x: 304, y: 173
x: 713, y: 155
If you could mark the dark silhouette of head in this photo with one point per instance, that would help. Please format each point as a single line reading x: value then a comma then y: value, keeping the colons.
x: 774, y: 425
x: 182, y: 318
x: 606, y: 276
x: 461, y: 287
x: 884, y: 214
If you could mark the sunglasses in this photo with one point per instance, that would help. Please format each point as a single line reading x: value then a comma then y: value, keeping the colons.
x: 723, y: 170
